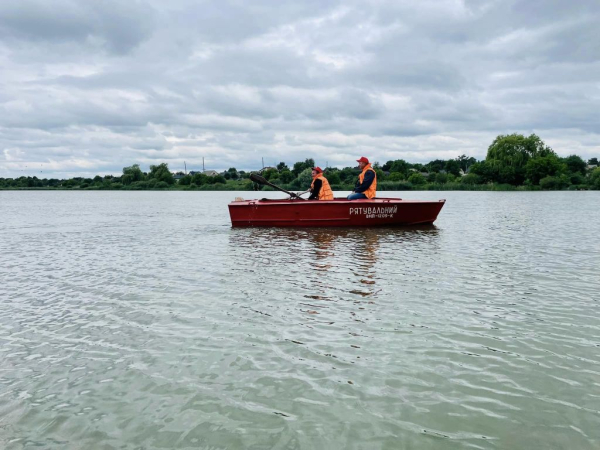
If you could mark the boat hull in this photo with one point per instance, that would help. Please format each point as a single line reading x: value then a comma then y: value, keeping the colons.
x: 333, y: 213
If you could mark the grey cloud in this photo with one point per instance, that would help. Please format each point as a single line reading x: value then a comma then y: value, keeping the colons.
x: 579, y: 42
x: 114, y: 84
x: 542, y: 11
x: 256, y: 67
x: 118, y: 26
x: 293, y: 104
x: 232, y: 21
x: 396, y: 71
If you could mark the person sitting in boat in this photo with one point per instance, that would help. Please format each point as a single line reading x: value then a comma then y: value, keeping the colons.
x: 366, y: 186
x: 319, y: 188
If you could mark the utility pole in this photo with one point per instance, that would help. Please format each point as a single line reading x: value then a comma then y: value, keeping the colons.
x: 184, y: 168
x: 203, y: 164
x: 263, y: 162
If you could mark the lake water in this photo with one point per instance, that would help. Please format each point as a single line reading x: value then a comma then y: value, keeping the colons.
x: 142, y: 320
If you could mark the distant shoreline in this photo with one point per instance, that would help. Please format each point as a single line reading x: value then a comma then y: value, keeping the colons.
x: 513, y: 163
x: 225, y: 188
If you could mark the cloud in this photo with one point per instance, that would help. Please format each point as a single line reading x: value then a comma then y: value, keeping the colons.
x: 112, y: 25
x: 93, y: 87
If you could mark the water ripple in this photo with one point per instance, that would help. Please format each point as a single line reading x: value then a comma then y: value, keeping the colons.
x: 142, y: 320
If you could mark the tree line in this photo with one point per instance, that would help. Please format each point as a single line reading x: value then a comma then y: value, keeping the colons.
x: 512, y: 162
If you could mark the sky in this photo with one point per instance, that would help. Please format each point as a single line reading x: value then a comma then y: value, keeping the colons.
x: 90, y: 87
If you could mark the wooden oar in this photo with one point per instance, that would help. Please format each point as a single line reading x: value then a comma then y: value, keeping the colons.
x: 258, y: 179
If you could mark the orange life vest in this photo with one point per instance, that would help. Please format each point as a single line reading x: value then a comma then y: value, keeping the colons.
x: 325, y: 193
x: 370, y: 193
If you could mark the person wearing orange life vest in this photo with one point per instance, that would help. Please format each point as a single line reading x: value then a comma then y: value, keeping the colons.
x: 319, y: 188
x: 366, y: 186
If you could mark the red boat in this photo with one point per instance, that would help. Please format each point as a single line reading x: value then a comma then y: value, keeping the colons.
x: 333, y: 213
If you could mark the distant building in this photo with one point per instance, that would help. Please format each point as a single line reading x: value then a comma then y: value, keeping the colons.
x: 208, y: 173
x: 423, y: 174
x: 264, y: 169
x: 591, y: 167
x: 178, y: 175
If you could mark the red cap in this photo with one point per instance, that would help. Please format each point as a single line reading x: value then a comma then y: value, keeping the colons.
x: 363, y: 159
x: 318, y: 169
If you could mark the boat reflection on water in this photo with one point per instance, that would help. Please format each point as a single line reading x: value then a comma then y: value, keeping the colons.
x: 325, y: 284
x: 329, y: 262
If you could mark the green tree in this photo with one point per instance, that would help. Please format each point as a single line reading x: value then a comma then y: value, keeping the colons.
x: 552, y: 183
x: 131, y: 174
x: 140, y: 185
x: 471, y: 179
x: 575, y: 164
x: 233, y: 173
x: 396, y: 176
x: 200, y: 179
x: 305, y: 178
x: 417, y: 179
x: 576, y: 179
x: 540, y: 167
x: 593, y: 161
x: 441, y: 178
x: 435, y: 166
x: 485, y: 171
x: 453, y: 167
x: 67, y: 183
x: 397, y: 166
x: 282, y: 167
x: 270, y: 174
x: 595, y: 178
x: 186, y: 180
x: 160, y: 173
x: 508, y: 155
x: 108, y: 181
x: 349, y: 175
x: 465, y: 162
x: 516, y: 149
x: 333, y: 177
x: 218, y: 179
x: 286, y: 176
x: 301, y: 166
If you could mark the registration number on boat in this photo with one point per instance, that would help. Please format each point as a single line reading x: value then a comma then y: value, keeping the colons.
x: 375, y: 212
